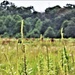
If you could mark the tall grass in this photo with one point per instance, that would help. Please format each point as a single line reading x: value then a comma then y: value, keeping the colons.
x: 22, y: 30
x: 62, y: 34
x: 35, y: 58
x: 40, y: 64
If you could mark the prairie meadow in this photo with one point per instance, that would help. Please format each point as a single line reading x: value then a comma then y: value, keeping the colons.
x: 37, y: 57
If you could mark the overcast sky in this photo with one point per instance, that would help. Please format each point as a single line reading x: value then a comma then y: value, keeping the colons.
x: 41, y: 5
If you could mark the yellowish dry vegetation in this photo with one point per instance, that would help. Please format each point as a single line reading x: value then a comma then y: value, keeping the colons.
x: 36, y: 57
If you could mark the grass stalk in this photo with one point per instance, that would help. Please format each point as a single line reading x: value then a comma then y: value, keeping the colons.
x: 17, y: 59
x: 22, y: 30
x: 47, y: 59
x: 24, y: 60
x: 9, y: 63
x: 41, y: 65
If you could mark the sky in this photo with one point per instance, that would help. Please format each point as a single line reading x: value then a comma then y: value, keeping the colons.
x: 41, y: 5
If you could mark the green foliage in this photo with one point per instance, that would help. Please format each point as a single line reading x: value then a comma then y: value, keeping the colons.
x: 54, y: 17
x: 69, y: 31
x: 5, y: 34
x: 45, y: 25
x: 2, y: 27
x: 49, y: 32
x: 65, y: 23
x: 34, y: 34
x: 38, y: 24
x: 18, y: 35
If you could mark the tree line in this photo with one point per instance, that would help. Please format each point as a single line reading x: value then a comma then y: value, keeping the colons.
x: 48, y: 23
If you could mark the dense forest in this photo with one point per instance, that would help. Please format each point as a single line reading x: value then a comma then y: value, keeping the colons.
x: 48, y: 23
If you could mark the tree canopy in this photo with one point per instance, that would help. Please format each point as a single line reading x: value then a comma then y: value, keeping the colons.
x: 47, y: 23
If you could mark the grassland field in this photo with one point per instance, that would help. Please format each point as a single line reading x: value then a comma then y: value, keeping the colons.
x: 37, y: 57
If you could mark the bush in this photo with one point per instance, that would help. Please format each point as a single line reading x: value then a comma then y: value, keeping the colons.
x: 49, y: 33
x: 34, y: 34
